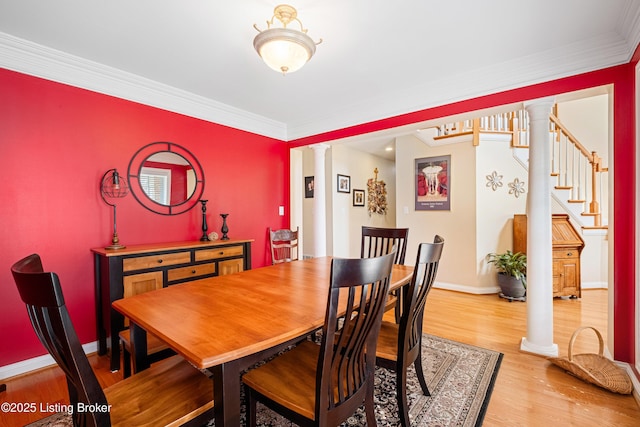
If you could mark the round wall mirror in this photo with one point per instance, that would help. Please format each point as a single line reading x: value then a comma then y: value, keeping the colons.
x: 166, y: 178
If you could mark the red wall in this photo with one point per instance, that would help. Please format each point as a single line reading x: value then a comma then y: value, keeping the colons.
x: 623, y: 81
x: 57, y: 141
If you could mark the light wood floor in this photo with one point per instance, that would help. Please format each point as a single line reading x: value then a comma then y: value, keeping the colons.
x: 528, y: 391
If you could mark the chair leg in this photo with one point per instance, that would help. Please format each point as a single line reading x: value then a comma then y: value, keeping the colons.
x: 369, y: 409
x: 420, y: 374
x: 401, y: 395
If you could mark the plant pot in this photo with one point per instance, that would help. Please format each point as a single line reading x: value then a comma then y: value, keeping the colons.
x: 510, y: 286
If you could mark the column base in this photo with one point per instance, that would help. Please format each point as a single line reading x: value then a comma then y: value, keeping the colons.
x: 529, y: 347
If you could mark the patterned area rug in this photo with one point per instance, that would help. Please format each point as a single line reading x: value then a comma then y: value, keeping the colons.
x: 460, y: 378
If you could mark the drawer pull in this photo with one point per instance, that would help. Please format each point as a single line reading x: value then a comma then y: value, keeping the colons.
x: 160, y: 261
x: 569, y: 254
x: 193, y: 272
x: 221, y: 252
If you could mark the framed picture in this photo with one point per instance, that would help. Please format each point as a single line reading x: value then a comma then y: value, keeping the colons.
x: 433, y: 183
x: 358, y: 197
x: 308, y: 187
x: 344, y: 184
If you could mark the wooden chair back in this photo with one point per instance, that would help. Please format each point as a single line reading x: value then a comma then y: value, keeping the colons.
x: 346, y: 364
x: 284, y: 245
x: 381, y: 241
x: 424, y: 274
x: 42, y: 294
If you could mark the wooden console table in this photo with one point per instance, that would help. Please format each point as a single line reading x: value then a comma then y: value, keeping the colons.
x: 137, y: 269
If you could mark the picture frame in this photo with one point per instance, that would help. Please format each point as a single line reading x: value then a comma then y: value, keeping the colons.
x: 344, y: 184
x: 358, y: 197
x: 432, y: 178
x: 308, y: 187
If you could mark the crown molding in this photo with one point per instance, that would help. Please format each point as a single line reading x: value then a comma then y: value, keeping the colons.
x: 36, y: 60
x: 608, y: 50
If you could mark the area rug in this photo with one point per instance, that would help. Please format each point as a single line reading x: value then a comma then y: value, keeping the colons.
x: 460, y: 378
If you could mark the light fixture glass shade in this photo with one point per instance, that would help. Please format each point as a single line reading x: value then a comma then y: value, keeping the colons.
x: 283, y: 49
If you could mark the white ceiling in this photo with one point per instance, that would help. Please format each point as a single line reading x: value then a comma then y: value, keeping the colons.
x: 378, y: 58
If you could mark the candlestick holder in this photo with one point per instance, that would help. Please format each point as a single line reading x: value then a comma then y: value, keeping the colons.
x: 205, y: 236
x: 224, y: 228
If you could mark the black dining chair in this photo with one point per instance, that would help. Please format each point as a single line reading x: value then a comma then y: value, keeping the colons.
x: 284, y: 245
x: 400, y: 344
x: 376, y: 241
x: 170, y: 392
x: 323, y: 385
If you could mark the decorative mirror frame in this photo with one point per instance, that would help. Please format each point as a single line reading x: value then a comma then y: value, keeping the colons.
x: 135, y: 168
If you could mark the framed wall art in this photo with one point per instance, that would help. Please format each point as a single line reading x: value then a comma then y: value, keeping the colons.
x: 308, y: 187
x: 344, y: 184
x: 433, y: 183
x: 358, y: 197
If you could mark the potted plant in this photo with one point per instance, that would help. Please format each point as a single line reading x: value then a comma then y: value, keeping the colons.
x: 512, y: 273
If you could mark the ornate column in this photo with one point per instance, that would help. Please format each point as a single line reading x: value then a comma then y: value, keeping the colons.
x: 319, y: 201
x: 539, y: 337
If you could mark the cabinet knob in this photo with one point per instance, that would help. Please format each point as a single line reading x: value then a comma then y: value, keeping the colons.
x: 569, y: 254
x: 160, y: 261
x: 193, y: 272
x: 221, y: 252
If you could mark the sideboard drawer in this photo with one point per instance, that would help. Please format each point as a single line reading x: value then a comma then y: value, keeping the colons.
x: 191, y: 271
x: 216, y: 253
x: 144, y: 262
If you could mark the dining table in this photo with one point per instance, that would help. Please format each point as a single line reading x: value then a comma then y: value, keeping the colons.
x: 225, y: 324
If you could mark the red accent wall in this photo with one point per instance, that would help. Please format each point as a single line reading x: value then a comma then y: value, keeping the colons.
x: 56, y: 142
x: 623, y: 81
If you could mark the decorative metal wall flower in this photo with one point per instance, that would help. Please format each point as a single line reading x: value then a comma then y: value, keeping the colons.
x: 494, y: 180
x: 516, y: 187
x: 377, y: 198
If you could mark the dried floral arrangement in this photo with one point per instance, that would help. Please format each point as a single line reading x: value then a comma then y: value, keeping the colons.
x: 377, y: 198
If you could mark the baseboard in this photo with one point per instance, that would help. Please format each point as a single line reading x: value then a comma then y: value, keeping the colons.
x: 39, y: 362
x: 467, y: 289
x: 594, y: 285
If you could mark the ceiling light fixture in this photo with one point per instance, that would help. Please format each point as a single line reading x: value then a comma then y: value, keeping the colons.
x: 284, y: 49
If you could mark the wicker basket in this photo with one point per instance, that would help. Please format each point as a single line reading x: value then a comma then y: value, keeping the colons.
x: 594, y: 368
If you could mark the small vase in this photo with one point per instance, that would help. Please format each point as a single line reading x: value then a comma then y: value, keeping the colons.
x: 224, y: 228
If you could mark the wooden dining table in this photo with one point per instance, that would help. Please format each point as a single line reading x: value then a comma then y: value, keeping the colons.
x: 223, y: 325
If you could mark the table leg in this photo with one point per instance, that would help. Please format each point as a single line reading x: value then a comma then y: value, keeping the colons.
x: 226, y: 393
x: 139, y: 347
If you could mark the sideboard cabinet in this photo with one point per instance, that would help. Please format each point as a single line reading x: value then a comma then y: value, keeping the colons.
x: 136, y: 269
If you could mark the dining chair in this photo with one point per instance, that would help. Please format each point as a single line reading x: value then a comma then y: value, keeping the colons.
x: 284, y: 245
x: 400, y: 344
x: 376, y: 241
x: 323, y: 385
x: 170, y: 392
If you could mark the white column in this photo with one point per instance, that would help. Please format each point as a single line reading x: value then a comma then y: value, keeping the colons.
x: 319, y: 201
x: 539, y: 339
